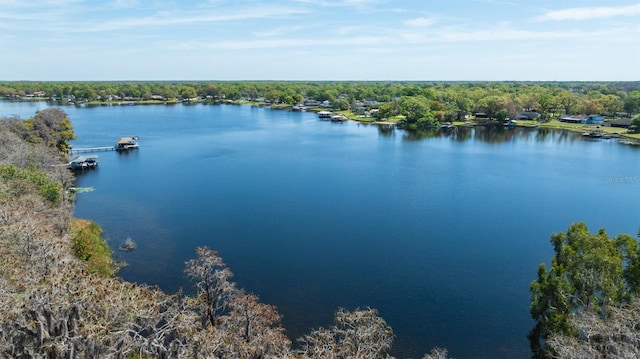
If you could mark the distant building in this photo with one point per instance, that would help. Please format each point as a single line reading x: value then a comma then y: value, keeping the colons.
x: 528, y: 115
x: 571, y: 119
x: 622, y: 123
x: 593, y: 120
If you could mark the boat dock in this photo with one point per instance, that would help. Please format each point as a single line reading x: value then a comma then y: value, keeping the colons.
x: 91, y: 149
x: 123, y: 144
x: 83, y: 162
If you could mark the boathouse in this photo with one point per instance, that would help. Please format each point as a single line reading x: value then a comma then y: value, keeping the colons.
x: 83, y: 162
x: 126, y: 143
x: 325, y: 115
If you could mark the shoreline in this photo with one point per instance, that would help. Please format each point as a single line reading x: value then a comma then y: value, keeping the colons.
x: 631, y: 138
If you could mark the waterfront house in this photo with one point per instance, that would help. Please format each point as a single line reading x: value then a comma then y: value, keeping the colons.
x: 571, y: 119
x: 528, y: 115
x: 593, y: 120
x: 622, y: 123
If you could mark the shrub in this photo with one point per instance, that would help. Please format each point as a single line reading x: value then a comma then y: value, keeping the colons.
x: 89, y: 246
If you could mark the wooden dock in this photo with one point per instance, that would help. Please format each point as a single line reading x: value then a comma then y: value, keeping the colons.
x: 123, y: 144
x: 92, y: 149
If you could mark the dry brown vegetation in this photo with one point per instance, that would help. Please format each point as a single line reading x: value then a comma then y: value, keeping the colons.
x: 614, y: 334
x: 54, y: 303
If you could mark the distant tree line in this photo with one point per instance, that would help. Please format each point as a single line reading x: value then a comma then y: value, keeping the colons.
x: 420, y: 102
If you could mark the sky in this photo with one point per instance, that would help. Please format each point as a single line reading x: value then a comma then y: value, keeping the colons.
x: 318, y: 40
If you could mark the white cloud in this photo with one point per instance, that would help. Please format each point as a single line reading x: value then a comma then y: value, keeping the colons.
x: 278, y: 31
x: 394, y: 40
x: 291, y: 43
x: 123, y: 4
x: 419, y: 22
x: 496, y: 2
x: 347, y: 30
x: 173, y: 19
x: 587, y: 13
x: 343, y: 3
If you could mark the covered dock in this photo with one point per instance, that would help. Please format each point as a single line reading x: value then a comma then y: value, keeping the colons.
x: 126, y: 143
x: 83, y: 162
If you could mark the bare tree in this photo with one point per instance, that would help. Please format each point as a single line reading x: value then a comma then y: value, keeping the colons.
x: 615, y: 335
x: 212, y: 280
x: 255, y: 327
x: 357, y: 334
x: 437, y: 353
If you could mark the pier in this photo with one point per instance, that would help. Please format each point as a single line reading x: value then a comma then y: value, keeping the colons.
x: 123, y: 144
x: 91, y: 149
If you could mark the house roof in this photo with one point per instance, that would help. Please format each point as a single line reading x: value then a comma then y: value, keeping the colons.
x: 125, y: 140
x: 621, y: 122
x: 80, y: 159
x: 529, y: 114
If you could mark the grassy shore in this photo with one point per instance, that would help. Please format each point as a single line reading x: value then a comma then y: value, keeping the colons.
x: 578, y: 127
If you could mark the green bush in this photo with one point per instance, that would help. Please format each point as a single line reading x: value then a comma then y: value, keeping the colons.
x: 89, y: 246
x: 46, y: 187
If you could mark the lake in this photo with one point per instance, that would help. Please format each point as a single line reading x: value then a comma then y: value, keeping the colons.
x: 442, y: 233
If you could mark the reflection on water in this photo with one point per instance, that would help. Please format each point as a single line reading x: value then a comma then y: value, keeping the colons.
x: 487, y: 134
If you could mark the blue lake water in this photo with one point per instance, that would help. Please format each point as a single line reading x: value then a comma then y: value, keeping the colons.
x: 441, y: 233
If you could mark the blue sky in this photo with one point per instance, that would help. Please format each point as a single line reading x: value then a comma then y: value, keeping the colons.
x: 320, y: 40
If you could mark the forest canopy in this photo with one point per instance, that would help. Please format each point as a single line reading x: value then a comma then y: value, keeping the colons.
x: 440, y: 100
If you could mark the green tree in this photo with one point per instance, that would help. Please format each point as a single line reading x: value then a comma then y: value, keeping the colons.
x: 550, y: 306
x: 502, y: 114
x: 188, y: 92
x: 635, y: 122
x: 587, y: 273
x: 385, y: 111
x: 413, y: 108
x: 568, y: 100
x: 51, y: 126
x: 632, y: 103
x: 341, y: 104
x: 591, y: 106
x: 492, y: 104
x: 546, y: 102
